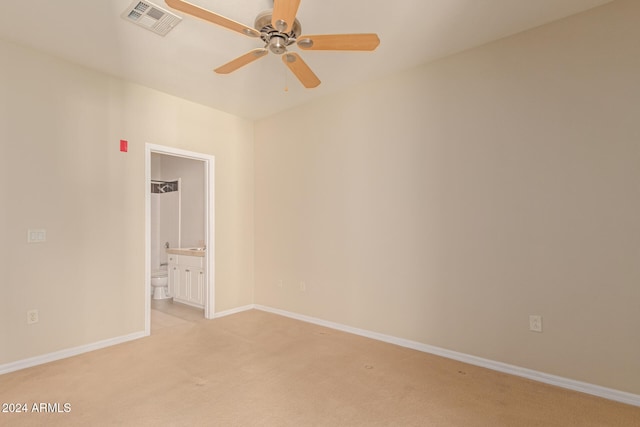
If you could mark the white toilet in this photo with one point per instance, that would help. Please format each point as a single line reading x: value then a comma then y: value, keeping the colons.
x: 160, y: 284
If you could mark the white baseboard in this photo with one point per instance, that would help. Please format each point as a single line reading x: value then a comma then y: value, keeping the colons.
x: 62, y: 354
x: 233, y: 311
x: 604, y: 392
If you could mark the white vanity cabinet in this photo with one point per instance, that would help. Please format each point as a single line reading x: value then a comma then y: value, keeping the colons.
x: 186, y: 279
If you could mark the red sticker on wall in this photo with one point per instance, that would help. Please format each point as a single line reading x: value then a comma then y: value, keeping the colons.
x: 124, y: 146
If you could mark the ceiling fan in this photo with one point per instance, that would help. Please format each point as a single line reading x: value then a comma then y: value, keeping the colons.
x: 279, y: 28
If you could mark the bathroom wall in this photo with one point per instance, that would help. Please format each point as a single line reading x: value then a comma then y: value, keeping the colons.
x: 60, y: 131
x: 191, y: 173
x: 177, y: 218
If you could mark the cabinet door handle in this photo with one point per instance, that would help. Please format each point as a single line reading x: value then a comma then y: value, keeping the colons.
x: 187, y: 270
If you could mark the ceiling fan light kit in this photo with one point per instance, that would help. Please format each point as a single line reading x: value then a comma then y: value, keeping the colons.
x: 280, y: 29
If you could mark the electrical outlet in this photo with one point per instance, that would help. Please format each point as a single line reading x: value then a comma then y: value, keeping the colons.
x: 32, y: 316
x: 535, y: 323
x: 303, y: 287
x: 280, y: 283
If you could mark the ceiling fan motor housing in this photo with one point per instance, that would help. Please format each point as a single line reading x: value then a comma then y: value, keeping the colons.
x: 275, y: 40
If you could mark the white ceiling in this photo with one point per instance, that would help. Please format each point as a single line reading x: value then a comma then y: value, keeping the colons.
x: 412, y: 32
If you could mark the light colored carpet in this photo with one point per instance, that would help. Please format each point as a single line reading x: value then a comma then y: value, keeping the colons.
x: 260, y: 369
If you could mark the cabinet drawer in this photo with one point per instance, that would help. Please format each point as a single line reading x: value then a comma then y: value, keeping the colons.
x: 189, y: 261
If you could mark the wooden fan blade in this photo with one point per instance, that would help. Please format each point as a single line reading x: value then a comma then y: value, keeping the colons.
x: 207, y: 15
x: 339, y: 42
x: 241, y: 61
x: 301, y: 70
x: 284, y: 14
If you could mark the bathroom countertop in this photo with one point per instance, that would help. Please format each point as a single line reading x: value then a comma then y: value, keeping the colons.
x: 186, y: 251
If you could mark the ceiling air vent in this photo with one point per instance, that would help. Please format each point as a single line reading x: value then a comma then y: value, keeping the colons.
x: 152, y: 17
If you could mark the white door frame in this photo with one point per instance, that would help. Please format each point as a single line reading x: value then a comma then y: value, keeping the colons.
x: 209, y: 227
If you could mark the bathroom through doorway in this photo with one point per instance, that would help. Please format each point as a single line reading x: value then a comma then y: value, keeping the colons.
x: 179, y: 237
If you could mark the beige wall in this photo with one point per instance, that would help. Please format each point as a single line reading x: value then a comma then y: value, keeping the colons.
x: 62, y: 171
x: 447, y: 203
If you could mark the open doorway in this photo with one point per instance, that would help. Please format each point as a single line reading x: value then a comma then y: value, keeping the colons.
x: 195, y: 213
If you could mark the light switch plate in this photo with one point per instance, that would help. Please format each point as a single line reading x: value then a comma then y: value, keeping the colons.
x: 36, y: 235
